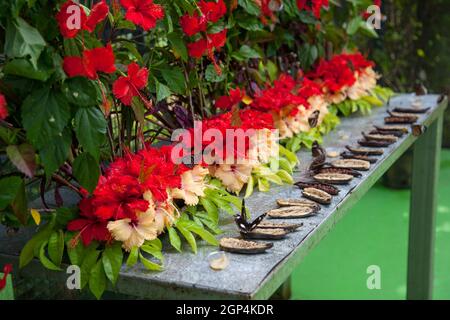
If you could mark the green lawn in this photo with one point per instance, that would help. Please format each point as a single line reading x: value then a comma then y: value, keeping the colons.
x: 375, y: 232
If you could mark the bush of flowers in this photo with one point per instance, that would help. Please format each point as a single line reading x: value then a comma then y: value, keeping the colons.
x: 92, y: 92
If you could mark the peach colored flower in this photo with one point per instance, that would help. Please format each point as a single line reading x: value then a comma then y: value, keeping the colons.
x: 134, y: 233
x: 233, y: 176
x: 192, y: 185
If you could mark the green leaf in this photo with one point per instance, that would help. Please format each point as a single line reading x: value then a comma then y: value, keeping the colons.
x: 249, y: 189
x: 90, y: 128
x: 178, y: 45
x: 23, y: 40
x: 87, y: 171
x: 204, y: 234
x: 149, y: 265
x: 272, y: 69
x: 20, y: 205
x: 80, y: 91
x: 188, y: 236
x: 162, y: 91
x: 23, y: 157
x: 248, y: 52
x: 210, y: 208
x: 285, y: 176
x: 76, y: 253
x: 97, y: 280
x: 56, y: 247
x: 211, y: 74
x: 45, y: 261
x: 208, y: 223
x: 45, y: 114
x: 373, y: 100
x: 8, y: 135
x: 155, y: 243
x: 368, y: 30
x: 222, y: 204
x: 174, y: 238
x: 292, y: 157
x: 263, y: 185
x: 274, y: 179
x: 112, y: 259
x: 64, y: 215
x: 89, y: 261
x: 24, y: 68
x: 9, y: 188
x: 131, y: 49
x: 155, y: 252
x: 285, y: 165
x: 354, y: 25
x: 133, y: 257
x: 27, y: 253
x: 55, y: 152
x: 174, y: 78
x: 251, y: 24
x: 250, y: 7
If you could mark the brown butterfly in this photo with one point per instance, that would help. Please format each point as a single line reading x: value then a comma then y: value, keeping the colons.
x: 314, y: 119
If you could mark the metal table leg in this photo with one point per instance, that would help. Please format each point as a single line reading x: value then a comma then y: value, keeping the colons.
x: 423, y: 212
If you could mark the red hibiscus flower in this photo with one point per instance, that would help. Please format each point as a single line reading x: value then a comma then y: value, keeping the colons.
x: 334, y: 74
x: 92, y: 61
x: 207, y: 46
x: 118, y: 197
x: 357, y: 61
x: 3, y: 108
x: 125, y: 88
x: 309, y: 89
x: 193, y: 24
x: 282, y: 95
x: 198, y: 22
x: 254, y: 119
x: 152, y: 168
x: 90, y: 227
x: 212, y: 10
x: 234, y: 98
x: 313, y: 5
x: 70, y: 24
x: 98, y: 12
x: 143, y: 13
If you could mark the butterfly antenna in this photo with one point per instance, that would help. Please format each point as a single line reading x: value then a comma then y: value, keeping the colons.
x: 243, y: 210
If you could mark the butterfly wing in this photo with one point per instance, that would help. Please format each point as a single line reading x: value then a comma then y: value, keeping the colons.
x: 313, y: 119
x: 257, y: 221
x: 241, y: 219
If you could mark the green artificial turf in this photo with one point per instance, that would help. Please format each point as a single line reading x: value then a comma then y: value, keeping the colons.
x: 374, y: 232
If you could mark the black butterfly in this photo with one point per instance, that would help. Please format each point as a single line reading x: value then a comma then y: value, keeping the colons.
x: 319, y: 157
x: 243, y: 224
x: 313, y: 119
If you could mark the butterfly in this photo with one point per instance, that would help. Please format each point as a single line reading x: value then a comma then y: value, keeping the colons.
x: 242, y: 223
x: 313, y: 119
x: 319, y: 157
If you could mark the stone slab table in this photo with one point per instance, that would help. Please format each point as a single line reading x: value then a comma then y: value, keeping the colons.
x: 188, y: 276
